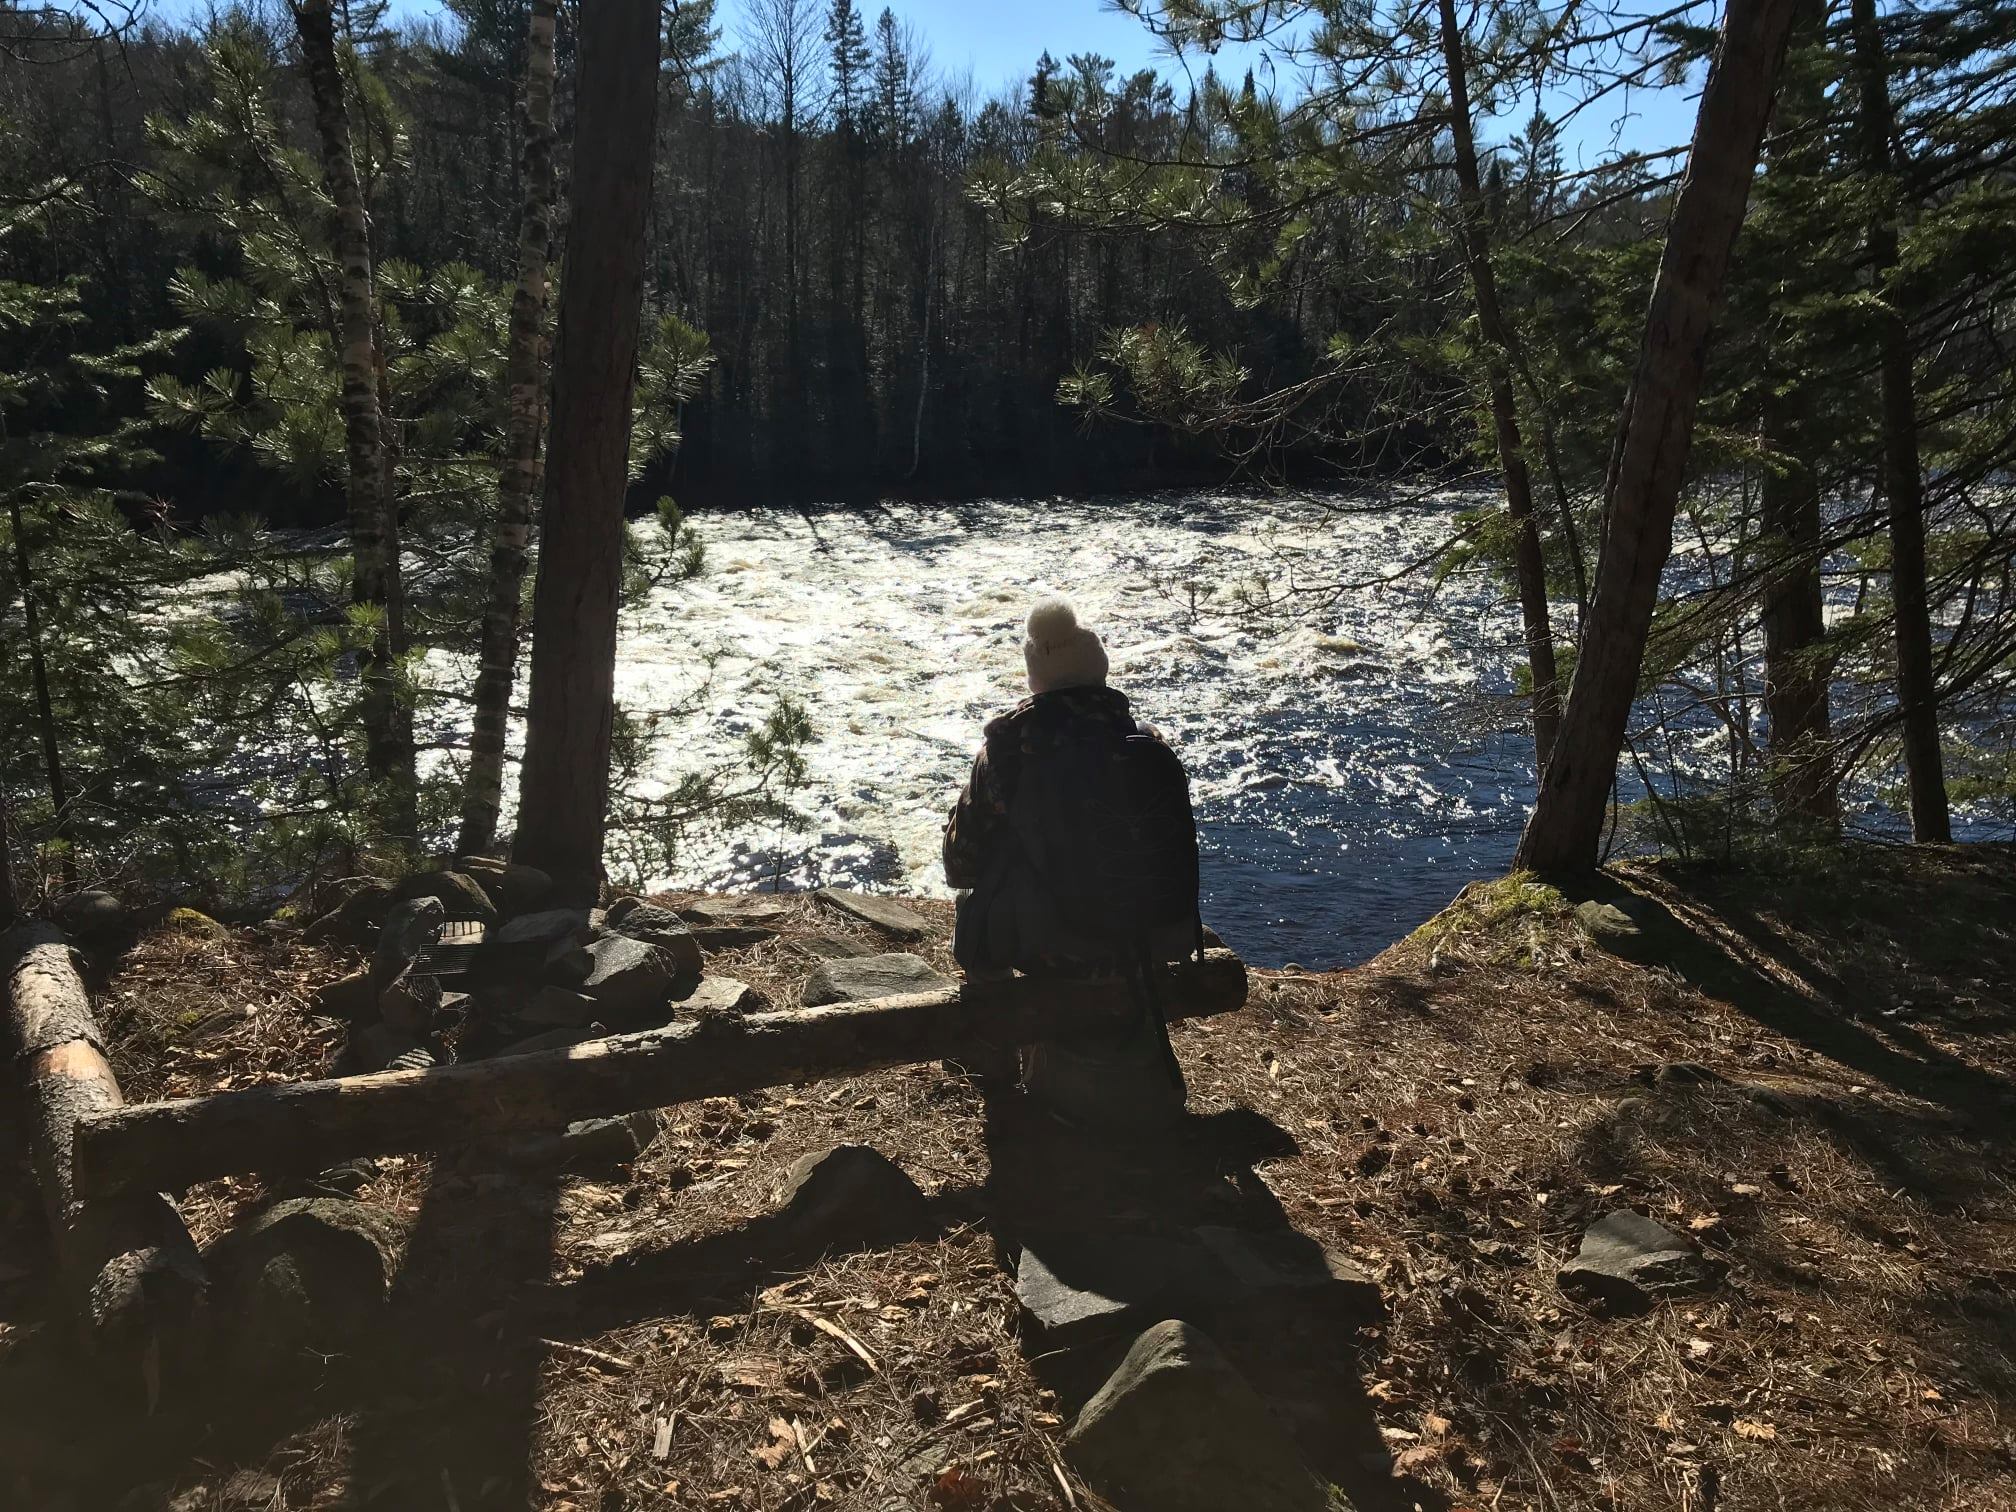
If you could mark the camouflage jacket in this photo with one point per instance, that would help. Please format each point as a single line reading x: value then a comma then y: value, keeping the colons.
x: 979, y: 823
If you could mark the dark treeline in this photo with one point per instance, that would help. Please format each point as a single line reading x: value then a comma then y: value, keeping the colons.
x: 871, y: 330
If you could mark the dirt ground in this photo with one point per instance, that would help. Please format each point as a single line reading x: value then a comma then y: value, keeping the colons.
x: 1813, y: 1078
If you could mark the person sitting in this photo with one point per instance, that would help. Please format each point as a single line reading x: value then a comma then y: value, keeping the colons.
x: 1074, y: 849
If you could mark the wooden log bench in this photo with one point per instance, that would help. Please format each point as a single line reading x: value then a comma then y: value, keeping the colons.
x: 307, y: 1126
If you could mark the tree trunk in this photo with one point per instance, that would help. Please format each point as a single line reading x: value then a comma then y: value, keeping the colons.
x: 1797, y: 669
x: 125, y: 1261
x: 1903, y: 482
x: 38, y: 676
x: 1650, y: 457
x: 519, y: 483
x: 564, y: 787
x: 374, y: 583
x: 1528, y: 561
x: 305, y: 1126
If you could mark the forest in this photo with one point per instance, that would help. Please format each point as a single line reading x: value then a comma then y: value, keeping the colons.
x: 272, y: 272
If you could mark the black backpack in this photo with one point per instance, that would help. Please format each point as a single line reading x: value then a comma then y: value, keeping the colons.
x: 1106, y: 821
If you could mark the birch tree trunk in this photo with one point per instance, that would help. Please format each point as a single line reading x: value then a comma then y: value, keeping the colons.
x: 563, y: 792
x: 374, y: 583
x: 519, y: 483
x: 1565, y: 832
x: 1529, y: 564
x: 1903, y: 481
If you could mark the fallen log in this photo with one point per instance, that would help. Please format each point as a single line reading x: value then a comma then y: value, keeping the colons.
x: 125, y: 1260
x: 306, y: 1126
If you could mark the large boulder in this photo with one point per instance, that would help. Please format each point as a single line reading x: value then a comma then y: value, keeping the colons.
x: 858, y: 979
x: 539, y: 931
x: 1628, y: 1262
x: 1177, y: 1428
x: 461, y: 895
x: 850, y: 1194
x: 886, y: 914
x: 407, y: 930
x: 303, y: 1281
x: 1076, y: 1285
x: 514, y: 888
x: 354, y: 921
x: 661, y: 929
x: 92, y: 916
x: 629, y: 981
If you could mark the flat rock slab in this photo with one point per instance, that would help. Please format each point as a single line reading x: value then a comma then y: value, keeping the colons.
x: 1628, y: 1261
x: 739, y: 912
x: 886, y: 914
x: 832, y: 947
x: 1078, y: 1285
x: 1177, y: 1428
x: 860, y: 979
x: 720, y: 995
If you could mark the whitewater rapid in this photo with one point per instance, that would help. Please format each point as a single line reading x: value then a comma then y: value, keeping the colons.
x: 1356, y: 754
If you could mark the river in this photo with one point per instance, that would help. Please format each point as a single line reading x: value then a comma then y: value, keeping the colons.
x: 1353, y: 762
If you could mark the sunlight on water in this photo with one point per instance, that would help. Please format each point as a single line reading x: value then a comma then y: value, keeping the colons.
x: 1354, y: 761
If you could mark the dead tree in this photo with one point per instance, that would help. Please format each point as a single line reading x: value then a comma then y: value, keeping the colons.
x: 125, y: 1261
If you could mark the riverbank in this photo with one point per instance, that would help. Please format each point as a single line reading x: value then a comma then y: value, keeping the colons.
x: 1803, y: 1074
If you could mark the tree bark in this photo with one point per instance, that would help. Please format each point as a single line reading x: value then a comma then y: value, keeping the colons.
x: 564, y: 787
x: 1565, y: 831
x: 374, y: 583
x: 1797, y: 669
x: 125, y: 1261
x: 1903, y: 481
x: 310, y: 1125
x: 38, y: 676
x: 520, y: 480
x: 1529, y: 563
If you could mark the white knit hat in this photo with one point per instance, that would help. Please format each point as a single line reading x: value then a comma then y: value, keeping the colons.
x: 1060, y: 652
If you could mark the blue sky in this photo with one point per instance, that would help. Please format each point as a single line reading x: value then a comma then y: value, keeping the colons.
x: 1000, y: 40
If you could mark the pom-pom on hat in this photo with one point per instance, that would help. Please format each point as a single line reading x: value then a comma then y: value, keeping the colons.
x: 1060, y: 652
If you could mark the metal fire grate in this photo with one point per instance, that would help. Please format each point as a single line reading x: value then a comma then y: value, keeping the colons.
x: 452, y: 951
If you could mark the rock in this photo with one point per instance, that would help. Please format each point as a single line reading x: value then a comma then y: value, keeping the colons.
x: 592, y: 1146
x: 1629, y: 926
x: 740, y: 912
x: 542, y: 929
x: 1628, y: 1261
x: 461, y: 896
x: 1177, y: 1429
x: 410, y: 1002
x: 567, y: 963
x: 353, y: 998
x: 92, y: 916
x: 850, y: 1194
x: 514, y: 888
x: 305, y: 1279
x: 379, y: 1047
x: 833, y: 947
x: 858, y: 979
x: 665, y: 931
x: 408, y: 927
x: 720, y: 995
x: 193, y: 924
x: 712, y: 937
x: 630, y: 981
x: 556, y: 1006
x: 354, y: 922
x: 1685, y: 1074
x: 885, y: 914
x: 1076, y: 1286
x: 553, y: 1039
